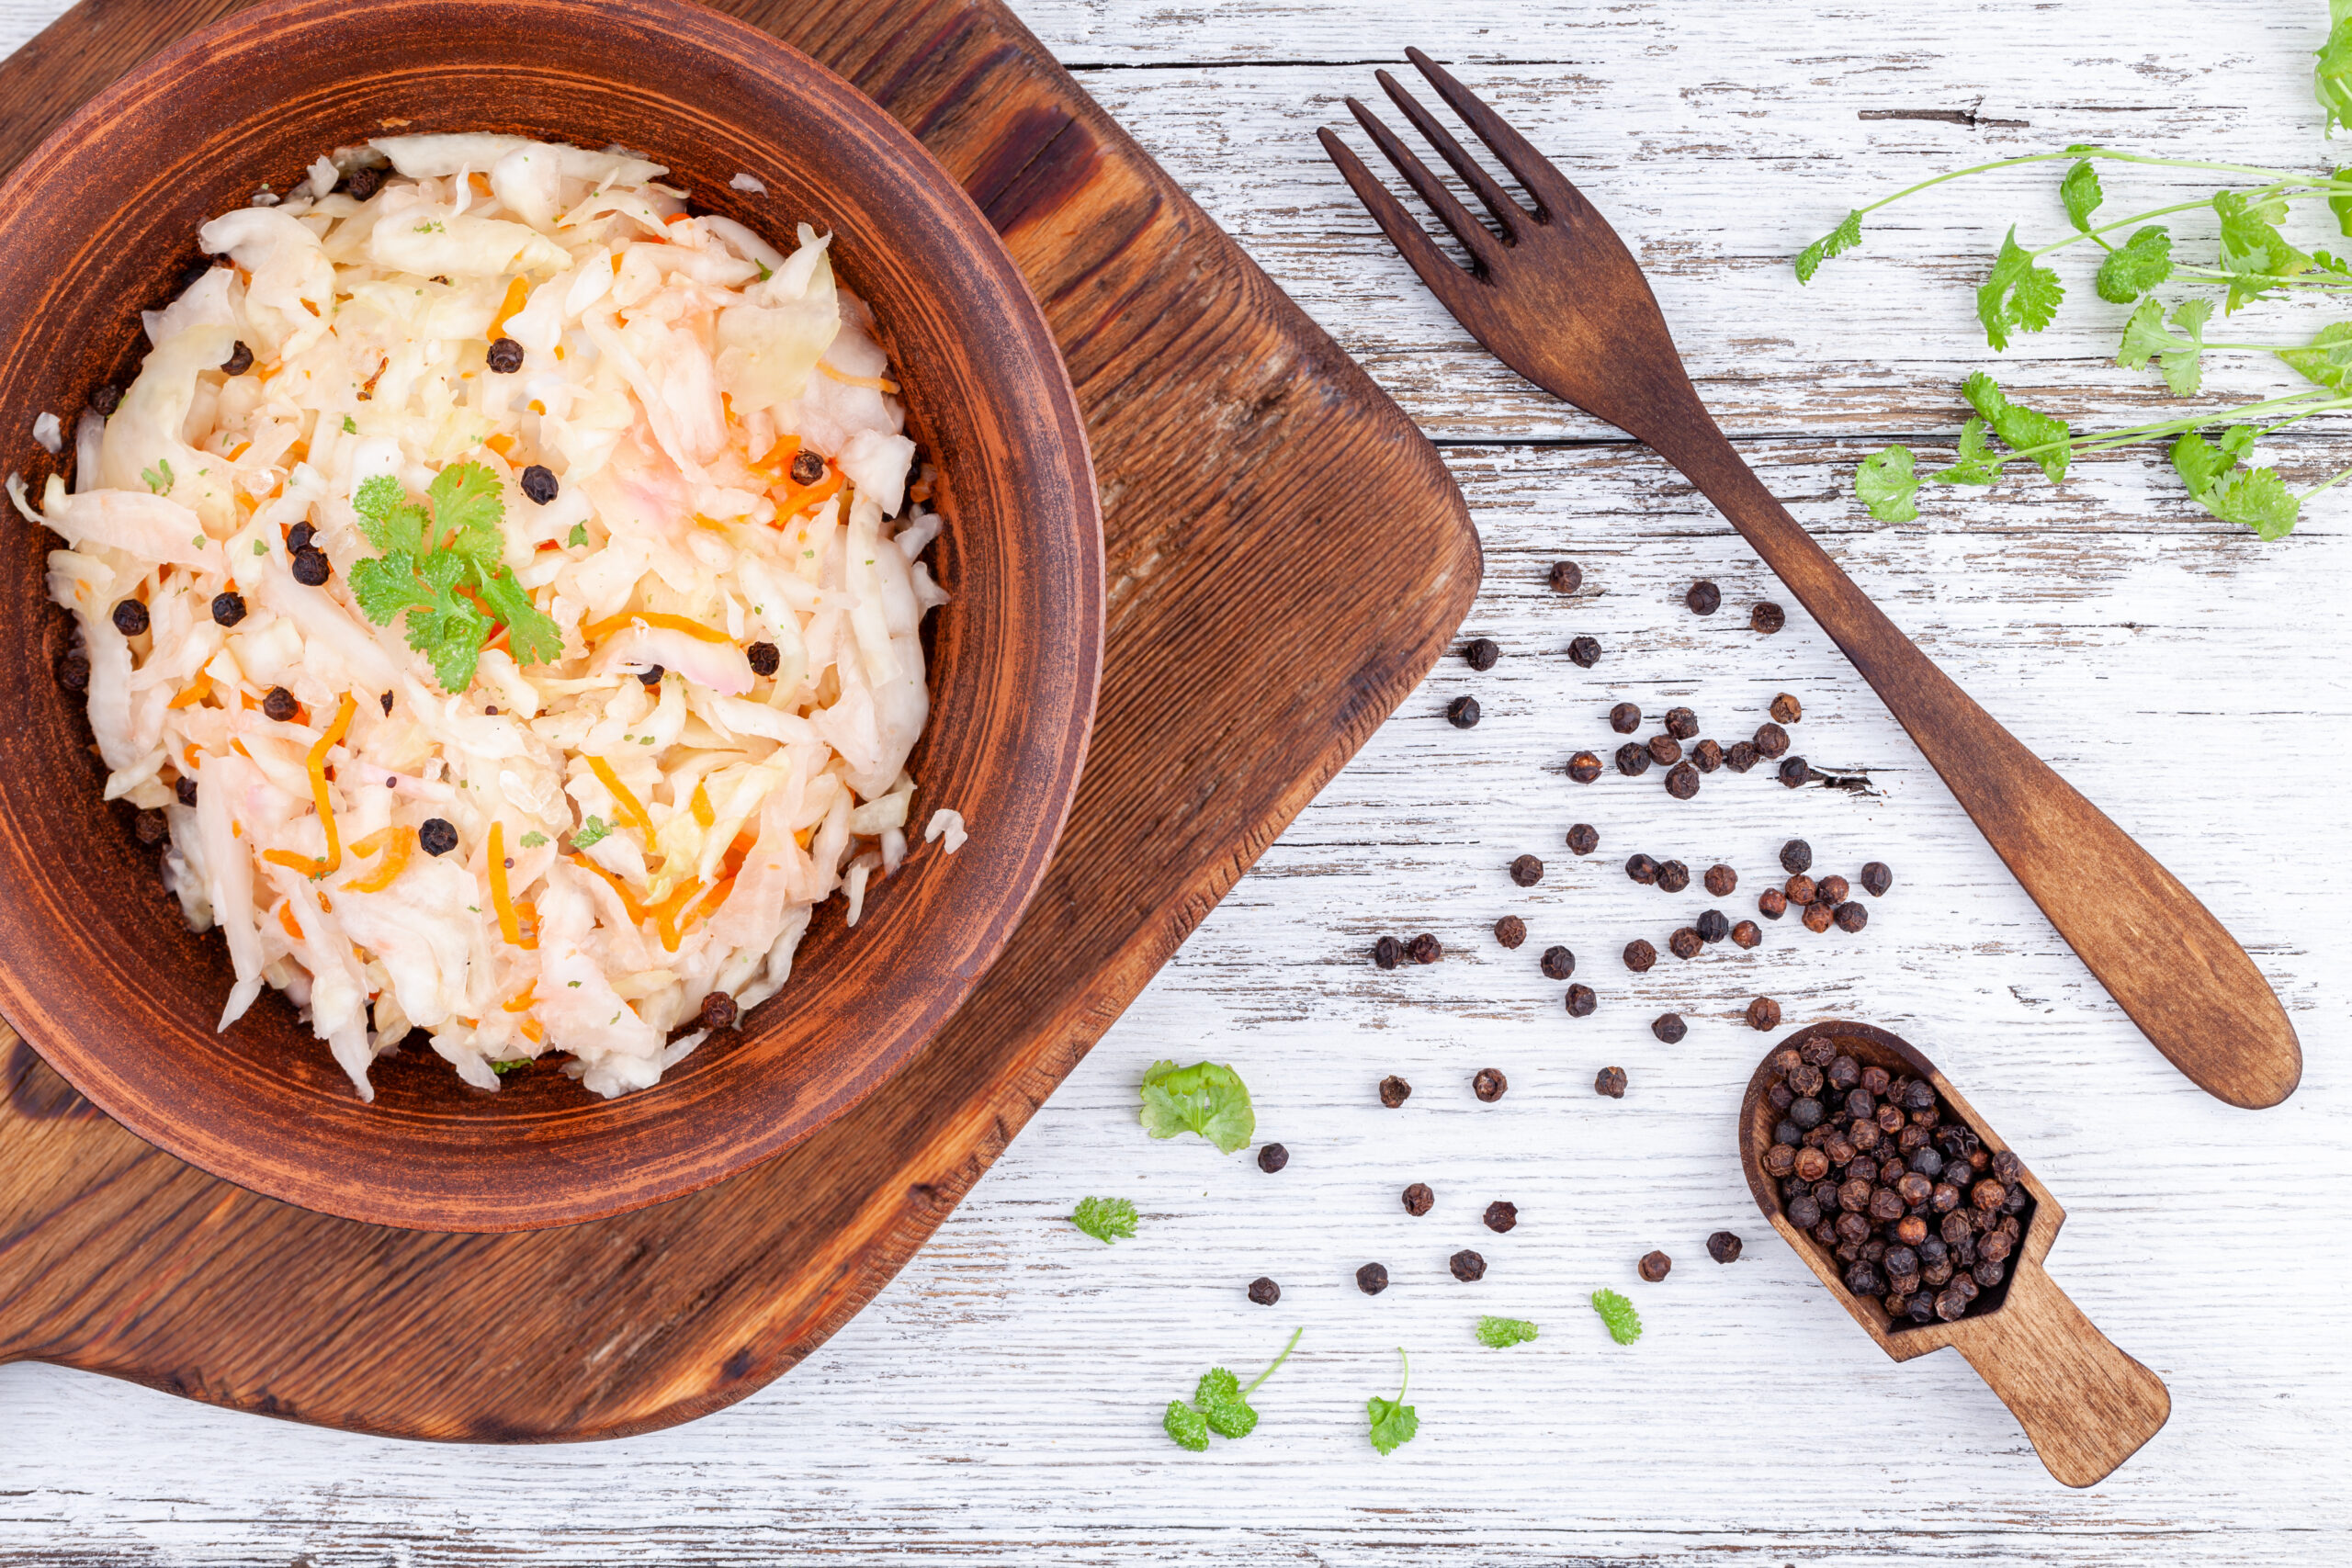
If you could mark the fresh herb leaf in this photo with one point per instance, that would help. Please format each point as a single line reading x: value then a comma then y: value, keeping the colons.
x: 593, y: 831
x: 2340, y: 203
x: 388, y: 517
x: 2028, y: 434
x: 2138, y: 264
x: 2178, y: 353
x: 1105, y: 1219
x: 2016, y: 294
x: 350, y: 425
x: 159, y: 478
x: 2331, y: 76
x: 532, y: 839
x: 1187, y: 1425
x: 1204, y: 1098
x: 1623, y: 1323
x: 1393, y: 1422
x: 1223, y: 1405
x: 2255, y: 497
x: 502, y: 1069
x: 467, y: 505
x: 260, y: 548
x: 532, y: 635
x: 2327, y: 360
x: 2253, y: 252
x: 2080, y: 191
x: 441, y: 568
x: 1972, y: 462
x: 1885, y: 484
x: 1502, y: 1333
x: 1836, y: 242
x: 579, y: 539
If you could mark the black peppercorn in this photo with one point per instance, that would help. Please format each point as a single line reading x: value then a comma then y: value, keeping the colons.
x: 1704, y: 598
x: 651, y: 676
x: 1566, y: 577
x: 1747, y: 933
x: 1722, y: 881
x: 1740, y: 756
x: 1583, y: 767
x: 149, y: 827
x: 130, y: 618
x: 1681, y: 723
x: 1480, y: 653
x: 1805, y: 1212
x: 1488, y: 1085
x: 1799, y: 889
x: 1272, y: 1157
x: 73, y: 672
x: 363, y: 183
x: 280, y: 704
x: 1877, y: 879
x: 436, y: 837
x: 1584, y: 652
x: 1510, y: 931
x: 1665, y: 751
x: 1610, y: 1081
x: 1796, y: 856
x: 1768, y: 618
x: 1786, y: 709
x: 1673, y: 876
x: 1625, y: 718
x: 1463, y: 713
x: 1723, y: 1247
x: 1807, y: 1113
x: 1764, y: 1013
x: 1425, y: 949
x: 1682, y: 782
x: 228, y: 608
x: 1527, y: 870
x: 1581, y: 1001
x: 1418, y: 1199
x: 310, y: 567
x: 1387, y: 952
x: 1641, y: 869
x: 1654, y: 1265
x: 1264, y: 1292
x: 1772, y: 903
x: 539, y: 483
x: 763, y: 658
x: 1371, y: 1279
x: 184, y: 791
x: 1639, y: 956
x: 1467, y: 1266
x: 1583, y: 839
x: 1794, y: 773
x: 718, y: 1012
x: 240, y: 360
x: 1395, y: 1091
x: 1817, y: 917
x: 299, y: 536
x: 808, y: 466
x: 1713, y: 925
x: 2007, y: 1166
x: 1771, y: 740
x: 1707, y: 756
x: 1501, y: 1216
x: 1633, y: 758
x: 1830, y: 890
x: 1669, y: 1028
x: 1684, y: 944
x: 506, y: 356
x: 1852, y: 917
x: 106, y: 399
x: 1557, y: 963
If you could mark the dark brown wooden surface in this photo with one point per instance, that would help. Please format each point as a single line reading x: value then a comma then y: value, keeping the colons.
x: 1217, y: 414
x: 2085, y: 1406
x: 1559, y: 299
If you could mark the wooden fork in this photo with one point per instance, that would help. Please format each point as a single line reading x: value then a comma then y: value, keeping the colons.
x: 1555, y: 295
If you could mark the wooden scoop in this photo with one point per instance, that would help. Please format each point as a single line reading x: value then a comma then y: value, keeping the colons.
x: 2086, y: 1405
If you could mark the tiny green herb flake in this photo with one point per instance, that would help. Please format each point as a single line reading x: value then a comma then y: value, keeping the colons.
x: 350, y: 425
x: 1502, y: 1333
x: 198, y: 541
x: 1204, y: 1098
x: 765, y: 271
x: 159, y: 478
x: 532, y: 839
x: 1220, y: 1404
x: 502, y: 1069
x: 1393, y: 1422
x: 1624, y: 1324
x: 427, y: 228
x: 591, y: 832
x: 579, y: 539
x: 574, y: 984
x: 1106, y: 1220
x: 260, y: 548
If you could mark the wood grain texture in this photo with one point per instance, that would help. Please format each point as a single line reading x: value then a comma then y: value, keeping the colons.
x: 998, y: 1400
x: 658, y: 1315
x: 2086, y: 1404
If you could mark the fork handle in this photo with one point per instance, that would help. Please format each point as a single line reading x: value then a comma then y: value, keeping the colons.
x: 2162, y: 956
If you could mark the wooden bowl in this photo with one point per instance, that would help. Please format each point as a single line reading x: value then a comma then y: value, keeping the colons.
x: 2086, y: 1404
x: 97, y: 969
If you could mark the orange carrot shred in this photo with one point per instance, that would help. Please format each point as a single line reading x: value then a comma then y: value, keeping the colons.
x: 627, y: 806
x: 403, y: 840
x: 523, y: 997
x: 628, y: 899
x: 798, y: 499
x: 517, y: 292
x: 596, y: 631
x: 700, y: 806
x: 286, y: 918
x: 509, y: 925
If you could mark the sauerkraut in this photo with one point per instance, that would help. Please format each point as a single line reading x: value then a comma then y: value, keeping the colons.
x: 645, y: 478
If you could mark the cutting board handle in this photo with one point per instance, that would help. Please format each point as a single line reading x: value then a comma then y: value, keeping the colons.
x: 2086, y: 1405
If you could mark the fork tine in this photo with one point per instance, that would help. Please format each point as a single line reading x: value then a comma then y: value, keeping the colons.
x: 1473, y: 235
x: 1500, y: 202
x: 1553, y: 193
x: 1436, y: 268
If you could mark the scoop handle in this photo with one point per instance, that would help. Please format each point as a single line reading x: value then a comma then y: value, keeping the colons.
x: 2086, y: 1405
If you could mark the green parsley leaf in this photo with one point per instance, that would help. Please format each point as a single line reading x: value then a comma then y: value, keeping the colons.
x: 2016, y: 294
x: 593, y: 831
x: 1105, y: 1219
x: 532, y: 839
x: 1393, y: 1422
x: 431, y: 556
x: 579, y: 539
x: 2024, y: 431
x: 2179, y: 353
x: 1223, y: 1405
x: 350, y: 425
x: 1502, y: 1333
x: 2255, y: 497
x: 159, y: 478
x: 2326, y: 359
x: 1972, y: 462
x: 1204, y: 1098
x: 2331, y: 76
x: 1187, y: 1425
x: 2080, y: 191
x: 532, y: 635
x: 467, y: 505
x: 388, y: 517
x: 2253, y: 252
x: 1623, y: 1323
x: 2138, y: 264
x: 1885, y: 484
x: 260, y: 548
x: 1836, y: 242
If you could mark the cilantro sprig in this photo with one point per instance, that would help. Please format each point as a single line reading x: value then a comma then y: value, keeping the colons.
x: 1107, y: 1219
x: 441, y: 567
x: 1219, y: 1405
x: 1393, y: 1422
x: 1204, y: 1098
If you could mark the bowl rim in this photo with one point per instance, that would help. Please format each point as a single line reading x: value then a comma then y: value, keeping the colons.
x: 595, y: 1195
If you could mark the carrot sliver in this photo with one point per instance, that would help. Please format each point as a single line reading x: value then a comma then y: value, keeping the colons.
x: 871, y: 383
x: 527, y: 913
x: 523, y: 997
x: 801, y: 498
x: 509, y: 925
x: 627, y: 806
x: 666, y: 913
x: 628, y: 899
x: 395, y: 861
x: 596, y: 631
x: 777, y: 459
x: 531, y: 1032
x: 286, y: 918
x: 194, y: 692
x: 700, y: 806
x: 371, y: 843
x: 318, y: 763
x: 516, y: 293
x: 293, y: 861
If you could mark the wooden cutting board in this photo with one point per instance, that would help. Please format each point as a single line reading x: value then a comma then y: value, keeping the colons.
x: 1285, y: 557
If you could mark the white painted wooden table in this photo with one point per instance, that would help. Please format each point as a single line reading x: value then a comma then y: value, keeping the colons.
x: 1001, y: 1398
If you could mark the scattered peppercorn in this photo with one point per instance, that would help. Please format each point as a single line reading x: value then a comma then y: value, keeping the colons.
x: 1794, y: 772
x: 1681, y: 723
x: 1463, y: 713
x: 1852, y: 917
x: 539, y: 484
x: 1557, y: 963
x: 1665, y: 751
x: 106, y: 399
x: 1877, y: 879
x: 651, y: 676
x: 1747, y: 933
x: 1418, y: 1199
x: 436, y: 837
x: 386, y: 700
x: 1817, y: 916
x: 228, y: 608
x: 1527, y: 870
x: 1673, y: 876
x: 1764, y: 1013
x: 1830, y: 889
x: 1722, y: 881
x: 1581, y: 1001
x: 1566, y: 577
x: 130, y: 618
x: 280, y: 704
x: 1707, y: 756
x: 149, y: 827
x: 1510, y: 931
x: 1704, y: 598
x: 1640, y: 955
x: 1490, y: 1084
x: 1480, y: 653
x: 1425, y: 949
x: 1713, y: 925
x: 1669, y: 1028
x: 718, y: 1012
x: 1786, y: 709
x: 299, y: 536
x: 1264, y: 1292
x: 1740, y: 756
x: 1610, y: 1081
x: 1772, y: 903
x: 1625, y: 718
x: 1633, y: 758
x: 1272, y: 1157
x: 1723, y: 1247
x: 310, y: 567
x: 1583, y: 767
x: 1771, y: 740
x: 506, y: 356
x: 1796, y: 855
x: 1799, y: 889
x: 1371, y: 1279
x: 363, y: 183
x: 73, y: 672
x: 1387, y: 952
x: 1682, y: 782
x: 1768, y: 619
x: 240, y: 360
x: 1685, y: 943
x: 1467, y: 1266
x: 184, y: 791
x: 1584, y: 652
x: 1501, y: 1216
x: 1654, y: 1265
x: 1641, y: 869
x: 1583, y: 839
x: 1395, y: 1091
x: 808, y: 466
